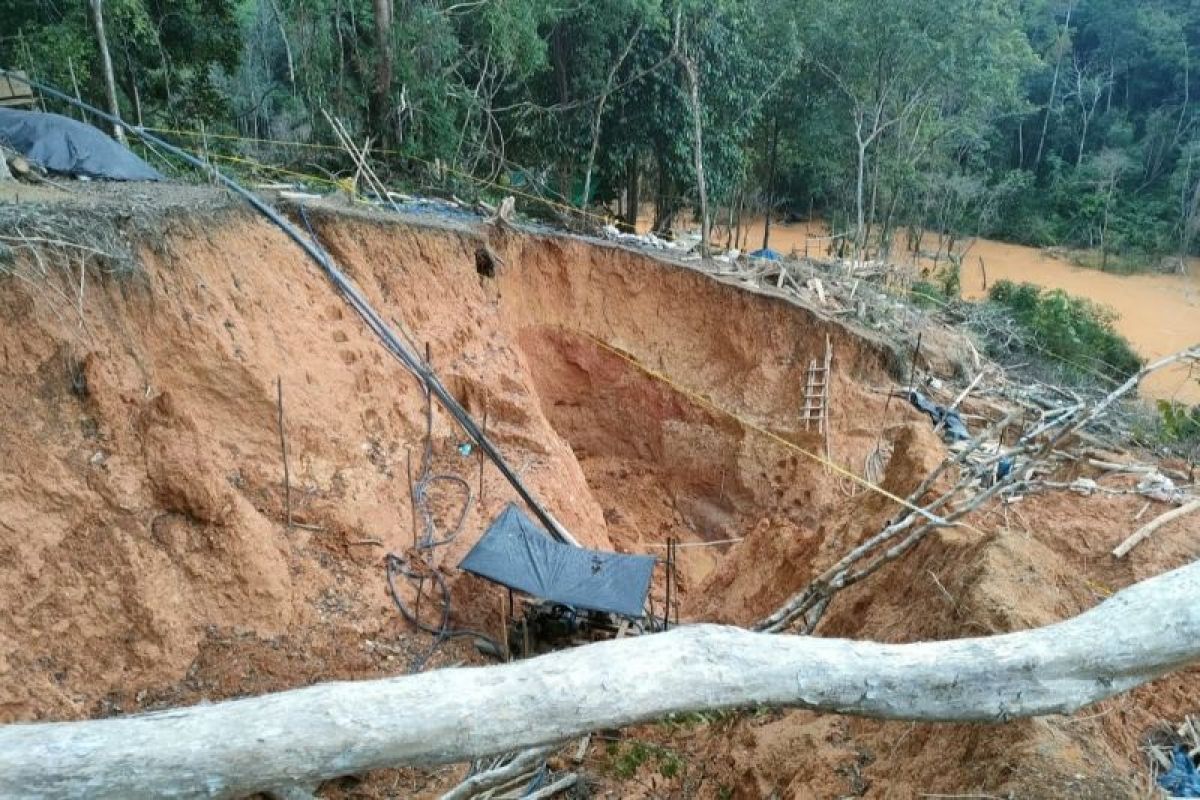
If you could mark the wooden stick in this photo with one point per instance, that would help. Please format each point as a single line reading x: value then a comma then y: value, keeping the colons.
x: 504, y: 651
x: 1150, y: 527
x: 480, y: 492
x: 287, y: 480
x: 492, y: 778
x: 238, y: 747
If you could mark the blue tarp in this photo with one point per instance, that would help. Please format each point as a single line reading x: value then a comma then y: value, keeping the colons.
x: 68, y: 147
x: 1182, y: 779
x: 955, y: 428
x: 515, y: 552
x: 767, y: 253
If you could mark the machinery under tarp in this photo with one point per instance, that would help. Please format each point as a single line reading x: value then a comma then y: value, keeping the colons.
x: 516, y: 553
x: 65, y: 146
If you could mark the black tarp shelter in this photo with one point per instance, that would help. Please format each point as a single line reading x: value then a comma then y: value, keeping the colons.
x: 65, y: 146
x: 516, y: 553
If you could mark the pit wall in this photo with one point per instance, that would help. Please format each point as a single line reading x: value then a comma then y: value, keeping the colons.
x: 142, y: 525
x: 141, y: 481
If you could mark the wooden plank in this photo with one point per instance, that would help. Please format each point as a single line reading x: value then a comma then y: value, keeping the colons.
x: 14, y: 91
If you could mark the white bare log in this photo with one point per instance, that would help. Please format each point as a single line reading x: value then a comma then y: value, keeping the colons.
x: 238, y: 747
x: 1149, y: 528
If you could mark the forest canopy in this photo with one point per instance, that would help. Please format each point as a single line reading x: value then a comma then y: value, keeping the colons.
x: 1049, y: 122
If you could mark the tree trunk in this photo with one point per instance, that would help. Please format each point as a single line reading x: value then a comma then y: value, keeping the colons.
x: 771, y: 180
x: 240, y: 747
x: 596, y: 118
x: 1059, y: 45
x: 106, y: 67
x: 287, y: 44
x: 664, y: 201
x: 381, y: 92
x: 693, y: 78
x: 860, y: 239
x: 633, y: 194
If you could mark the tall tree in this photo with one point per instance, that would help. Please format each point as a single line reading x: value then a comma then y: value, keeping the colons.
x: 110, y: 83
x: 381, y: 91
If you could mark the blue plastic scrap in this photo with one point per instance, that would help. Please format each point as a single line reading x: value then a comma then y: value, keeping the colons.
x: 954, y: 426
x: 766, y: 253
x: 1182, y: 779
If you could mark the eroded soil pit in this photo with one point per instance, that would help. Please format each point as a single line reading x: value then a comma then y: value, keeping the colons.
x: 148, y: 561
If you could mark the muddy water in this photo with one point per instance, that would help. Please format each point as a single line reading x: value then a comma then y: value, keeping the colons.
x: 1159, y: 314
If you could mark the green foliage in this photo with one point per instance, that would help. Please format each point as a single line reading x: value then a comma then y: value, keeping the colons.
x: 628, y: 757
x: 974, y: 117
x: 171, y: 52
x: 1179, y: 423
x: 1076, y: 332
x: 927, y: 295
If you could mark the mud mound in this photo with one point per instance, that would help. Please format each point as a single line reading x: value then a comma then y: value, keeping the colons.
x: 149, y: 562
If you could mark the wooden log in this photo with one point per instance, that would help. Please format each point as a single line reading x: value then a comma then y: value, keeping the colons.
x: 1144, y: 532
x: 239, y: 747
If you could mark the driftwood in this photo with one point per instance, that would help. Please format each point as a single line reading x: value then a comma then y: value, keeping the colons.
x: 1149, y: 528
x: 242, y: 746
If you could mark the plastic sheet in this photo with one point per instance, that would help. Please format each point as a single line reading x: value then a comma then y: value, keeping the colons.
x: 65, y: 146
x: 516, y: 553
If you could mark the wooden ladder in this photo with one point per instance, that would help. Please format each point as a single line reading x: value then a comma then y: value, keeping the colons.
x: 816, y: 395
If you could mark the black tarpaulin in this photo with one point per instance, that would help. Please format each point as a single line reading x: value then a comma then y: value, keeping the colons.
x: 68, y: 147
x: 516, y: 553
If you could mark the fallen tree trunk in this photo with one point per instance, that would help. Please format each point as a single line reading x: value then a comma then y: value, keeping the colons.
x: 242, y: 746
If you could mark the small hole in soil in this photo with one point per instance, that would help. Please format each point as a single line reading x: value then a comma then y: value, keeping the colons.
x: 77, y: 378
x: 485, y: 265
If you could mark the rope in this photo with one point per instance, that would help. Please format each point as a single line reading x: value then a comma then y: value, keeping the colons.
x: 713, y: 543
x: 816, y: 457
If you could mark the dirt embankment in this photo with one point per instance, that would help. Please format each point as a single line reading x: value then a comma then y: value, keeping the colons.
x: 142, y: 518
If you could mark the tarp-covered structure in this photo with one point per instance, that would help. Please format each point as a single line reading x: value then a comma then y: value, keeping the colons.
x: 516, y: 553
x: 65, y: 146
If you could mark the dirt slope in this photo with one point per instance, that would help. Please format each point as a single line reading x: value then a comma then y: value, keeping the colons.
x: 142, y: 525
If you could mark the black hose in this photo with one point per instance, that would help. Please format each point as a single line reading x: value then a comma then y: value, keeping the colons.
x: 373, y: 321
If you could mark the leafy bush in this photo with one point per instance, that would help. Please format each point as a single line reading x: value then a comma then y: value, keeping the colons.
x: 1178, y: 422
x: 939, y: 288
x: 1072, y: 330
x: 927, y: 295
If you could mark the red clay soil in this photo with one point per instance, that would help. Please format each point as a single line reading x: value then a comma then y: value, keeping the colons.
x: 148, y: 562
